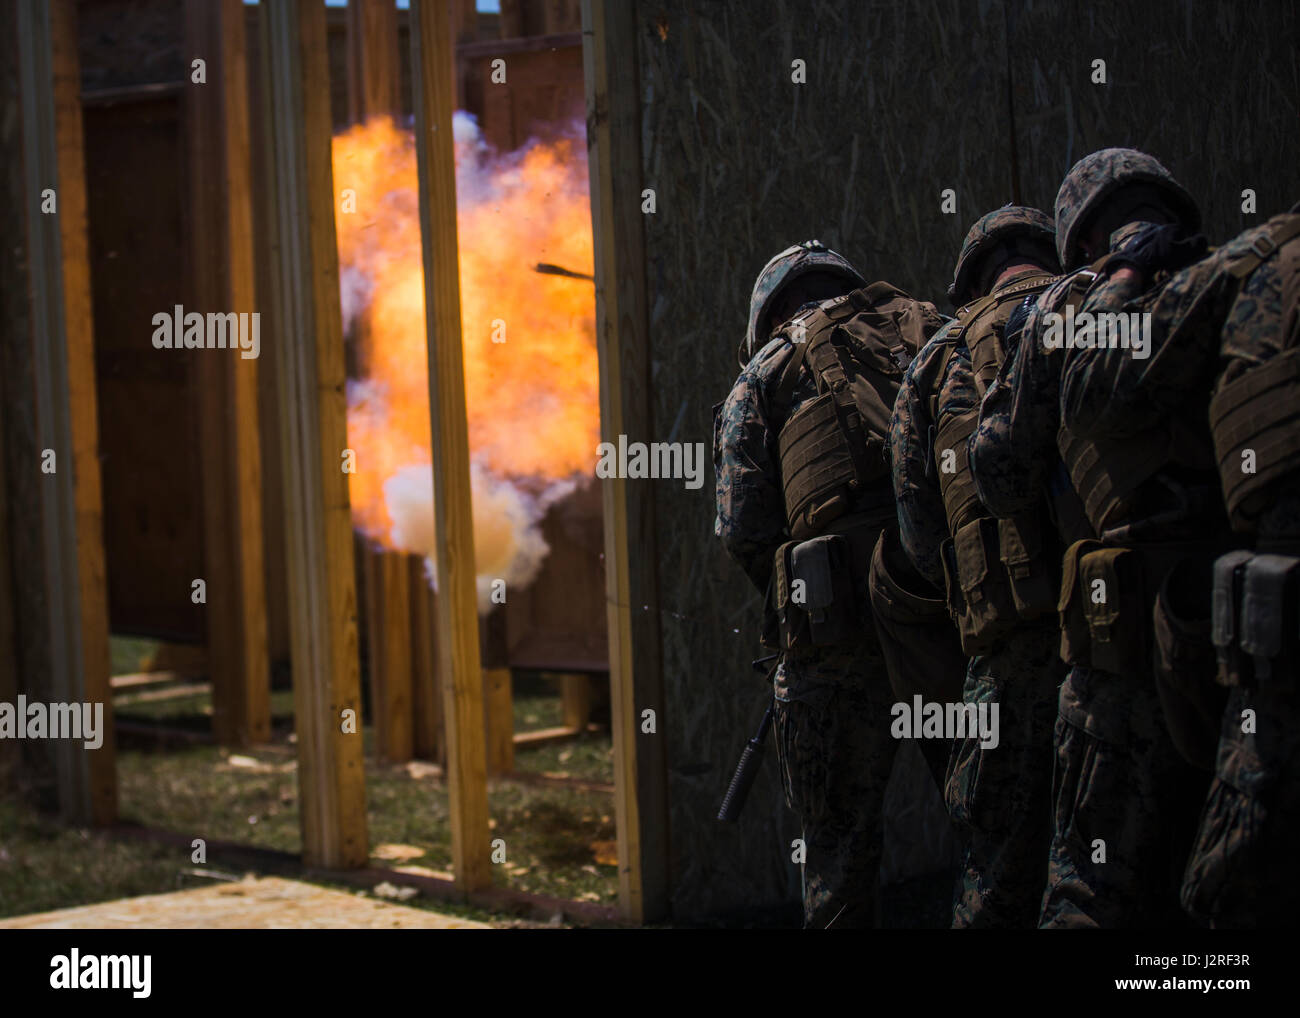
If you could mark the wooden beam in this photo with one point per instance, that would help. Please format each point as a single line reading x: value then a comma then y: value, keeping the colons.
x: 499, y: 720
x: 636, y: 683
x: 374, y: 68
x: 458, y: 649
x: 221, y: 235
x: 310, y: 372
x: 63, y: 338
x: 426, y: 689
x: 388, y: 609
x: 9, y: 755
x: 575, y: 694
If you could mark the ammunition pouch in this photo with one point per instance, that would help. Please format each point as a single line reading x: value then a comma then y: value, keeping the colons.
x: 817, y: 582
x: 997, y: 578
x: 1229, y: 574
x: 1255, y: 422
x: 1031, y: 574
x: 1257, y: 618
x: 1103, y: 608
x: 979, y: 595
x: 1185, y: 661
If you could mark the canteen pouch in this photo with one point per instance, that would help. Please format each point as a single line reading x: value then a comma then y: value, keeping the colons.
x: 1028, y: 569
x: 987, y: 611
x: 1185, y: 662
x: 1269, y: 617
x: 1234, y: 668
x: 1113, y: 602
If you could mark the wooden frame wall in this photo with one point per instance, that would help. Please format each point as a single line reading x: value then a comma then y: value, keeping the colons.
x: 458, y: 636
x: 311, y: 376
x: 220, y: 181
x: 62, y: 339
x: 632, y: 597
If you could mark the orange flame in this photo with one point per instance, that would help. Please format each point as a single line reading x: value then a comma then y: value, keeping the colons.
x: 531, y: 381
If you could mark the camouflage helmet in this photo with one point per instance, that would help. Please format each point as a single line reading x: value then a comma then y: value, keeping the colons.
x: 1097, y: 176
x: 780, y: 272
x: 1008, y: 221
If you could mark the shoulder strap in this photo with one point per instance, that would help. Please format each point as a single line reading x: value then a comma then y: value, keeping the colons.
x: 1277, y: 233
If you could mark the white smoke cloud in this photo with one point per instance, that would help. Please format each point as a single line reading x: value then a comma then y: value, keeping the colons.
x: 508, y: 542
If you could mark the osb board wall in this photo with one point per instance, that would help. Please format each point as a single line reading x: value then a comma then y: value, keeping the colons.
x: 1211, y: 88
x: 901, y: 102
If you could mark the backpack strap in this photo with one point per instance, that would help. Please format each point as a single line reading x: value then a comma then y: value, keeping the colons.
x: 1277, y: 233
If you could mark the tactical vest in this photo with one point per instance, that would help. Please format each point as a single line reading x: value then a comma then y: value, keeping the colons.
x: 996, y: 572
x: 833, y: 451
x: 1255, y: 418
x: 834, y: 455
x: 1111, y: 474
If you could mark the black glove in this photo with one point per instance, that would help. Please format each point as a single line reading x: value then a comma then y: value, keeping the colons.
x: 1159, y: 246
x: 1016, y: 324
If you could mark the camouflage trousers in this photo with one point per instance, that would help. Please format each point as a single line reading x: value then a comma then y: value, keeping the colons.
x: 833, y: 741
x: 1126, y: 805
x: 1000, y: 797
x: 1241, y: 872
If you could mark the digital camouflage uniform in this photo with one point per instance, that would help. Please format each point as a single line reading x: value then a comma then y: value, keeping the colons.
x: 999, y: 797
x: 1119, y: 786
x: 833, y: 702
x: 1241, y: 869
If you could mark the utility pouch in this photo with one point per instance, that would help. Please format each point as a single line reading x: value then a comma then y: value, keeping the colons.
x: 1074, y: 624
x: 1269, y: 617
x: 821, y: 575
x: 1028, y: 570
x: 1113, y: 599
x: 1185, y: 662
x: 987, y: 610
x: 1229, y: 575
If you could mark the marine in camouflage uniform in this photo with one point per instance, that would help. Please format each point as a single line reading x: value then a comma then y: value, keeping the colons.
x: 832, y: 702
x: 1125, y: 799
x: 999, y: 797
x: 1240, y: 307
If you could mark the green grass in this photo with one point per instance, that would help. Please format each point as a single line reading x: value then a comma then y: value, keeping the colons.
x: 554, y: 835
x: 130, y: 654
x: 46, y: 865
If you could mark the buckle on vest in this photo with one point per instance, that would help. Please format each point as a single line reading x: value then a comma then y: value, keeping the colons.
x: 1079, y: 282
x: 1263, y: 245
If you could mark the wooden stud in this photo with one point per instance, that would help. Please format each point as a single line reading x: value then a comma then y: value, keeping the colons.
x: 426, y: 691
x: 575, y: 694
x: 310, y: 372
x: 499, y: 720
x: 220, y: 180
x: 636, y: 682
x: 373, y: 73
x: 71, y: 523
x: 9, y: 754
x: 388, y: 596
x: 374, y: 69
x: 458, y: 647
